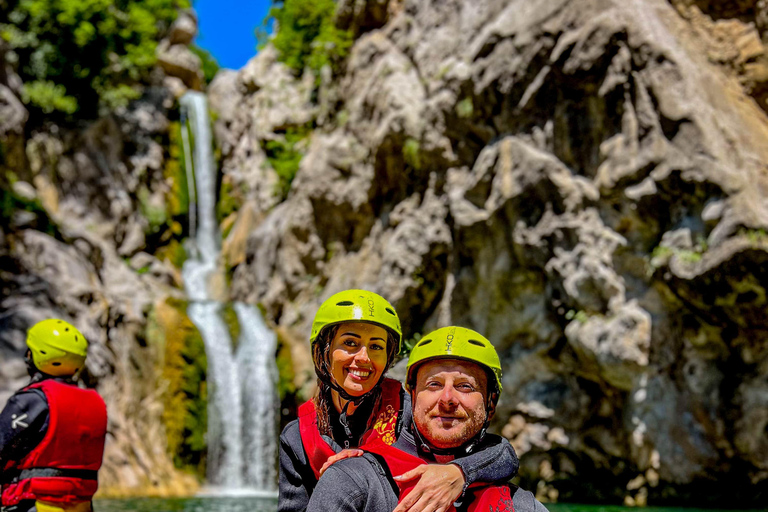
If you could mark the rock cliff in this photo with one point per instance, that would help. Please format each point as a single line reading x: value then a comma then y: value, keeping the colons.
x: 83, y: 207
x: 582, y: 181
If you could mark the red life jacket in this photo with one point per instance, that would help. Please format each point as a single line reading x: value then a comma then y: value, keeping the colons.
x: 318, y: 451
x: 63, y: 467
x: 481, y: 498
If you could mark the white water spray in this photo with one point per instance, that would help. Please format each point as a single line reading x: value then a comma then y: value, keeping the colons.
x: 242, y: 432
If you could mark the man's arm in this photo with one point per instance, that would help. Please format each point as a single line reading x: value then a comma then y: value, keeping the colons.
x: 23, y: 423
x: 493, y: 461
x: 353, y: 485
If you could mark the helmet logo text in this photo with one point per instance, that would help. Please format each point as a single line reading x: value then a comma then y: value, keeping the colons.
x: 370, y: 307
x: 449, y: 341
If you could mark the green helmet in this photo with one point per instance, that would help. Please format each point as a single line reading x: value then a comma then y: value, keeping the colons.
x: 357, y: 306
x: 57, y: 347
x: 454, y: 342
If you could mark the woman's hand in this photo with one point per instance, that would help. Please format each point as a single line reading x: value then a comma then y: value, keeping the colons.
x: 439, y: 486
x: 343, y: 454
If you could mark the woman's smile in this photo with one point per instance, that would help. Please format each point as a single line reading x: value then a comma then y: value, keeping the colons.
x: 358, y: 356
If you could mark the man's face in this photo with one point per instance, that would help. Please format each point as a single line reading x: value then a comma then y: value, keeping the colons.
x: 449, y: 401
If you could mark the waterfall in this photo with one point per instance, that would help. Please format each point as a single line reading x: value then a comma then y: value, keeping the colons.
x: 242, y: 401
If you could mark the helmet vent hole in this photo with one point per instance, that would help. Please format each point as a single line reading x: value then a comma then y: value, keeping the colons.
x: 42, y: 352
x: 345, y: 303
x: 390, y: 311
x: 477, y: 343
x: 76, y: 338
x: 424, y: 342
x: 56, y: 364
x: 66, y: 329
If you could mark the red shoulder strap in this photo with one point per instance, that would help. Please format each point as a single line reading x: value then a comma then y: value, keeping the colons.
x: 397, y: 461
x: 318, y: 451
x: 386, y: 415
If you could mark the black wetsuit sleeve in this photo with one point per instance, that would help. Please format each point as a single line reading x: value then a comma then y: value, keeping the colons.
x: 23, y: 423
x: 296, y: 480
x: 493, y: 461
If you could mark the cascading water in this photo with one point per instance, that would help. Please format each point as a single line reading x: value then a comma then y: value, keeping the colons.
x: 241, y: 418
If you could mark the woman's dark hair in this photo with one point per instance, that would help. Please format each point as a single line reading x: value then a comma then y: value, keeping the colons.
x: 321, y: 356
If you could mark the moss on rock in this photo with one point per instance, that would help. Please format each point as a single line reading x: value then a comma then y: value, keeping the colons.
x: 184, y: 373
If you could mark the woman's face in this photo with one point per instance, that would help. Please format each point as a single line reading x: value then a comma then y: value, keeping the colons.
x: 358, y: 356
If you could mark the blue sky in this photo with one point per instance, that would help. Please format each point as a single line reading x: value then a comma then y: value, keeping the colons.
x: 226, y: 28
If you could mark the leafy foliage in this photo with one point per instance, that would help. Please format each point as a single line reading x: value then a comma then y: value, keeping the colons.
x: 307, y: 35
x: 186, y: 399
x: 285, y: 157
x: 84, y: 55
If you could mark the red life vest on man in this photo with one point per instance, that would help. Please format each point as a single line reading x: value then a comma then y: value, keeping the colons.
x: 63, y: 467
x: 481, y: 498
x: 318, y: 451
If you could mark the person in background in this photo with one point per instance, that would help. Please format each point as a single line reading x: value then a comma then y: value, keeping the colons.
x: 51, y: 431
x: 355, y: 337
x: 454, y: 379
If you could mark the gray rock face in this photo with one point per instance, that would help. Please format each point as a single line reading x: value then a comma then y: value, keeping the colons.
x: 65, y: 256
x: 581, y: 181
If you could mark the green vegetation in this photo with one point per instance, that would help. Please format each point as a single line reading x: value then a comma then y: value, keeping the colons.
x: 661, y: 254
x: 411, y: 153
x: 229, y: 315
x: 755, y: 236
x: 84, y: 56
x: 11, y: 203
x: 230, y: 200
x: 465, y: 108
x: 580, y: 316
x: 285, y: 369
x: 155, y: 214
x: 408, y: 345
x: 175, y: 173
x: 284, y: 157
x: 307, y: 36
x: 210, y: 65
x: 186, y: 398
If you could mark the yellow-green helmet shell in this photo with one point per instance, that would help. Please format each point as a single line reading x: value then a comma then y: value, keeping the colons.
x: 57, y: 347
x: 357, y: 306
x: 455, y: 342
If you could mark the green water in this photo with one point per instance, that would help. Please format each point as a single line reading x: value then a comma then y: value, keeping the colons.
x: 222, y: 504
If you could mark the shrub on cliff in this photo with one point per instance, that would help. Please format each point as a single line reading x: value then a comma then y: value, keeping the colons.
x: 83, y: 55
x: 307, y: 35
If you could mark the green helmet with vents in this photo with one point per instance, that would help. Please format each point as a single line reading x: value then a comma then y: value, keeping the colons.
x: 57, y: 347
x: 357, y: 306
x: 454, y: 342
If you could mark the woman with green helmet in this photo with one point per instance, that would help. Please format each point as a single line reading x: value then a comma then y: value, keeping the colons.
x: 355, y: 337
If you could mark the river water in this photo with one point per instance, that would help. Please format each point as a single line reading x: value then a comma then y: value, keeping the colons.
x: 248, y: 504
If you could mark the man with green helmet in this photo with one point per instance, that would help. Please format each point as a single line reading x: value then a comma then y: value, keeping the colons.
x: 51, y: 431
x: 354, y: 338
x: 454, y: 380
